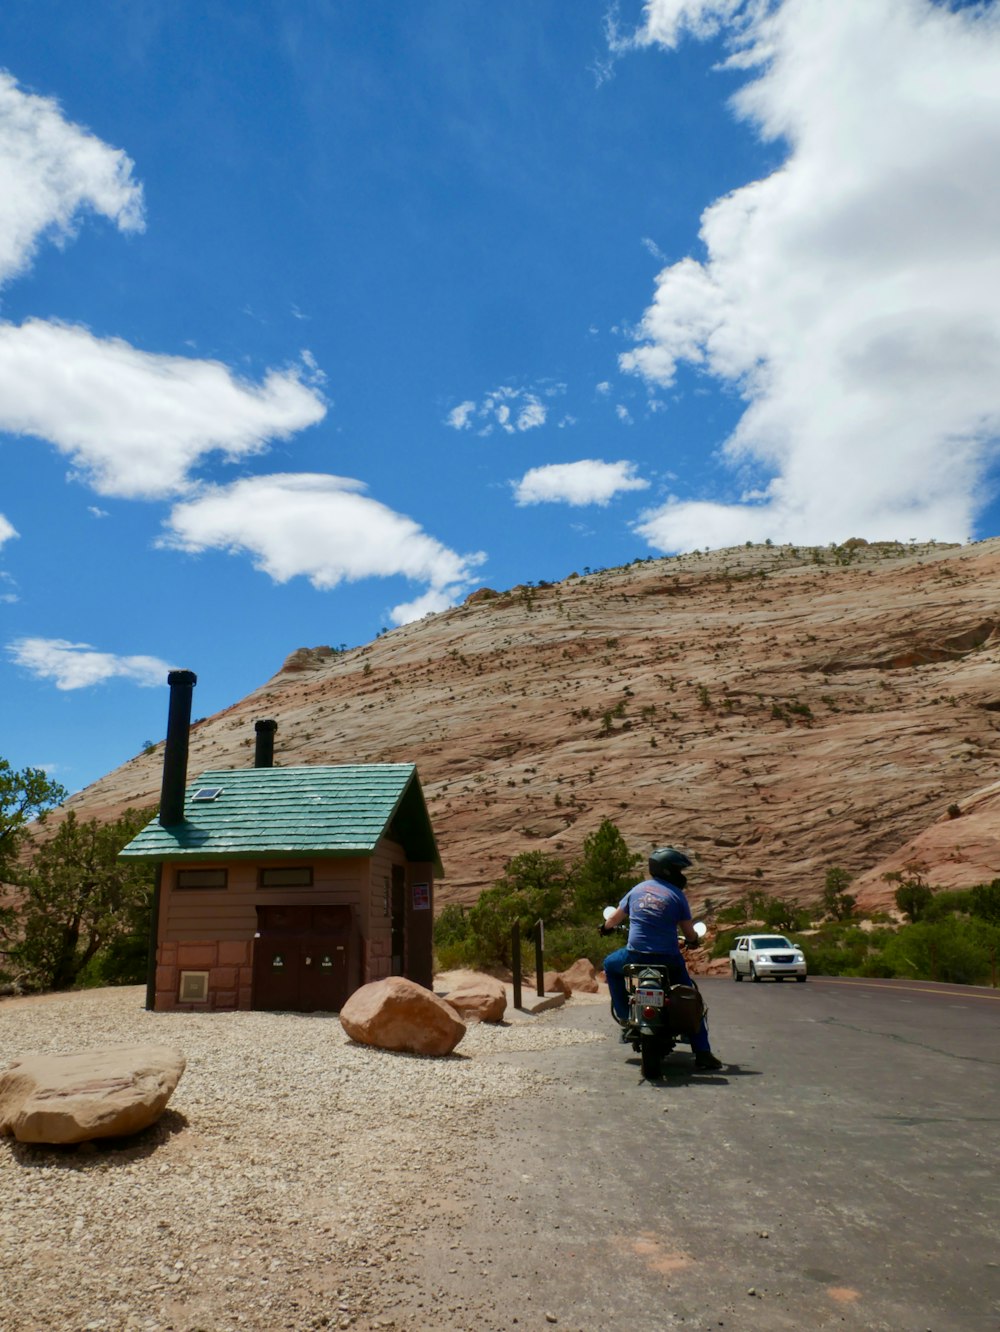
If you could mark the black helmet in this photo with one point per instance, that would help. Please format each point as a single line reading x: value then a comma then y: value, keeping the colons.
x: 668, y: 863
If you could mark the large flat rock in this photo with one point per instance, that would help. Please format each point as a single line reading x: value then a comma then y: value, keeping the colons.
x: 105, y: 1093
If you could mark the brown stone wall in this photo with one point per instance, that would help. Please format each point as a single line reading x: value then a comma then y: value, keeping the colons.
x: 229, y: 964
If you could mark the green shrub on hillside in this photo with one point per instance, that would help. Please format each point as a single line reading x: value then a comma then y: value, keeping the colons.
x: 984, y: 901
x: 954, y: 949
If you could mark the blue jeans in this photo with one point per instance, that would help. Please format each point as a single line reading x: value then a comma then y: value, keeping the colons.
x: 614, y: 970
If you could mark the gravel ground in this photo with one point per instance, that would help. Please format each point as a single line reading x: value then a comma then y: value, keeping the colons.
x: 279, y: 1188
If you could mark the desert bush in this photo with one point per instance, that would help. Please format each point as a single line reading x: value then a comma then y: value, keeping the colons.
x: 780, y: 914
x: 837, y: 901
x: 948, y: 902
x: 914, y: 893
x: 839, y: 948
x: 984, y: 901
x: 564, y: 944
x: 724, y: 942
x: 954, y: 949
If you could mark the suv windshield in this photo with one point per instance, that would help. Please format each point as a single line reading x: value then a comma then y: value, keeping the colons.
x: 771, y: 941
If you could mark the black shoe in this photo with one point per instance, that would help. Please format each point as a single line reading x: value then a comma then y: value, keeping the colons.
x: 705, y: 1059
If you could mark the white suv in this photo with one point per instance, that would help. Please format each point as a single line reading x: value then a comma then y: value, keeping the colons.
x: 762, y: 955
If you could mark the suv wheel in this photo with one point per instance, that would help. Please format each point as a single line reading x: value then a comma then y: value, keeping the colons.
x: 753, y: 974
x: 736, y: 974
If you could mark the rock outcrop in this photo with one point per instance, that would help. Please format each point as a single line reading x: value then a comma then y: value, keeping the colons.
x: 107, y: 1093
x: 774, y: 710
x: 397, y: 1014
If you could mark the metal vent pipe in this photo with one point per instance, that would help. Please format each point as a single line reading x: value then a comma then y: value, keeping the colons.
x: 175, y: 752
x: 263, y: 756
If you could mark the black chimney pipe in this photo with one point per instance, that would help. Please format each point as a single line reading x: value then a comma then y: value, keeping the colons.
x: 263, y: 755
x: 175, y: 753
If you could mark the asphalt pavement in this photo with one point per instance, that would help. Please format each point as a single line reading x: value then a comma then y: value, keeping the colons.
x: 841, y: 1171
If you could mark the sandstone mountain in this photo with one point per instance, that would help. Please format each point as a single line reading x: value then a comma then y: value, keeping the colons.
x: 775, y: 710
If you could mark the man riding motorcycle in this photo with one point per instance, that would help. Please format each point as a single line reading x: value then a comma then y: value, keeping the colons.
x: 656, y: 909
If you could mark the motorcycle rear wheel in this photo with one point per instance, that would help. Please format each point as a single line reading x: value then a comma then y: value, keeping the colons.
x: 651, y: 1056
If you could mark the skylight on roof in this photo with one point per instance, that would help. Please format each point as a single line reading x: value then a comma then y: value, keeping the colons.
x: 207, y: 793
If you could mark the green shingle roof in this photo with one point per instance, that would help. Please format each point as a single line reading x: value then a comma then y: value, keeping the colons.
x: 261, y: 813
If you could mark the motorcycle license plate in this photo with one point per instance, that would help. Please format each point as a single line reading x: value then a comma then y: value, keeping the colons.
x: 649, y: 998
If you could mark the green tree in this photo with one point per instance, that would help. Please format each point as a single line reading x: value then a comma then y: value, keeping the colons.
x: 985, y: 901
x: 604, y: 874
x: 24, y: 795
x: 837, y: 901
x: 913, y: 895
x: 780, y: 914
x: 533, y: 887
x: 78, y: 898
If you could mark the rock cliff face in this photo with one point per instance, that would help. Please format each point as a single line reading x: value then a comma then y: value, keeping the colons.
x: 774, y: 710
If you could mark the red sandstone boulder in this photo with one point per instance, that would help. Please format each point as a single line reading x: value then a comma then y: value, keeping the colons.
x: 478, y: 998
x: 398, y: 1014
x: 553, y: 983
x: 581, y: 976
x: 95, y: 1094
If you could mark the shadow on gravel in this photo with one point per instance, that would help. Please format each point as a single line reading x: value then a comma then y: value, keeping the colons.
x: 101, y: 1152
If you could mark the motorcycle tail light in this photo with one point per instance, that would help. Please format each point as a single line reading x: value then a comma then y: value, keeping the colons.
x: 650, y: 1012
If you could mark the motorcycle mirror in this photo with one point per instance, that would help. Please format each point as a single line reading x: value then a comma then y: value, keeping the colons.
x: 609, y: 912
x: 700, y: 928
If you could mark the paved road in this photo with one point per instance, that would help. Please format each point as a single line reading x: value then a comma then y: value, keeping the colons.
x: 842, y: 1172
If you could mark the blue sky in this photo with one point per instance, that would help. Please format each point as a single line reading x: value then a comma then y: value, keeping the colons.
x: 314, y: 317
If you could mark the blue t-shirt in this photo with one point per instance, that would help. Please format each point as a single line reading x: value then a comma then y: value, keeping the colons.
x: 654, y: 910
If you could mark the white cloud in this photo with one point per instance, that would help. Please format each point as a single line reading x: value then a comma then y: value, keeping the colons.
x: 623, y: 414
x: 430, y: 603
x: 588, y: 481
x: 850, y: 295
x: 532, y: 414
x: 134, y: 423
x: 322, y: 528
x: 78, y: 665
x: 7, y: 530
x: 512, y: 410
x: 604, y: 387
x: 459, y: 417
x: 50, y: 171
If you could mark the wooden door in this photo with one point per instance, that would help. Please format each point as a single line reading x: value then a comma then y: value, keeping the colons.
x: 302, y: 958
x: 276, y: 973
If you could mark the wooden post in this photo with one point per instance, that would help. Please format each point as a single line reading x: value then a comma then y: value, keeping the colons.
x: 539, y: 933
x: 515, y: 960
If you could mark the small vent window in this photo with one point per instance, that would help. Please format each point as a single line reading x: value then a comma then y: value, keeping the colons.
x: 193, y: 987
x: 205, y: 793
x: 287, y: 876
x: 202, y: 878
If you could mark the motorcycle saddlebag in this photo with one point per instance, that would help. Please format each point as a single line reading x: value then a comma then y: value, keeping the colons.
x: 687, y: 1008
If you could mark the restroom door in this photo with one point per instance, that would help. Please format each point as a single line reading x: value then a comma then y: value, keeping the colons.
x: 276, y: 968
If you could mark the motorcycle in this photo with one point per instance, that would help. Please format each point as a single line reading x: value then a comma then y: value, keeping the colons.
x: 661, y: 1012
